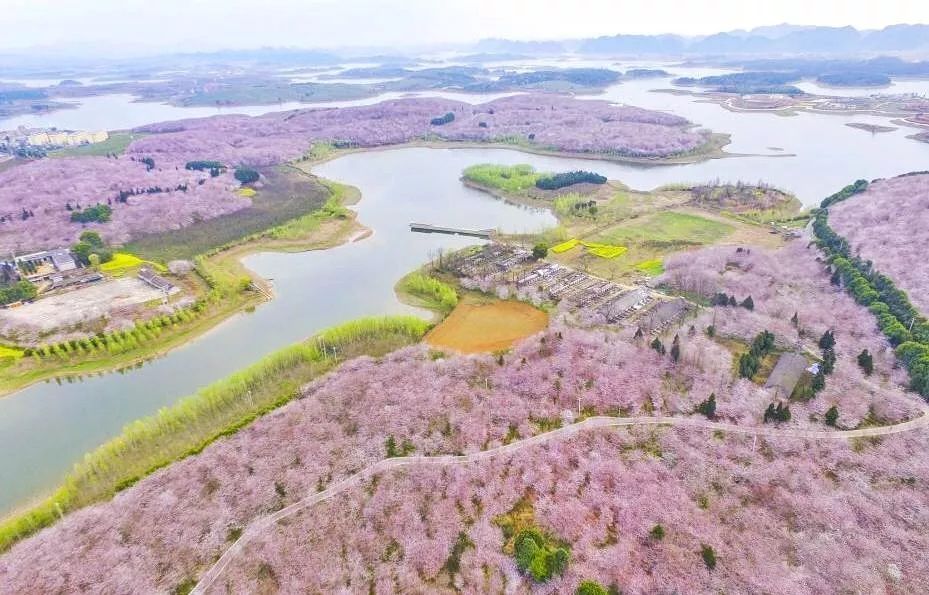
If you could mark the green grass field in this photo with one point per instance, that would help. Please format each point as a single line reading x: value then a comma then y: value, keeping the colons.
x: 652, y: 267
x: 666, y: 227
x: 116, y: 144
x: 508, y: 178
x: 648, y: 238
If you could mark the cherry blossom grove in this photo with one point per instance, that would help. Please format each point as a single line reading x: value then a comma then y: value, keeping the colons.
x: 768, y: 506
x: 34, y: 199
x: 544, y: 121
x: 782, y: 516
x: 888, y: 224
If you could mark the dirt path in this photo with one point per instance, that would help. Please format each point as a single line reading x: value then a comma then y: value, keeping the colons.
x: 264, y: 522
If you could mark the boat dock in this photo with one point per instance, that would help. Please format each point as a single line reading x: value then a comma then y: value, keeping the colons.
x: 484, y: 234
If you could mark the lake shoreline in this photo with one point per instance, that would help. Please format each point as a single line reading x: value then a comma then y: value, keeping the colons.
x: 323, y: 238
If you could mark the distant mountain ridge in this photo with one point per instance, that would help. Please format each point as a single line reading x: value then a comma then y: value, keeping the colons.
x: 776, y: 39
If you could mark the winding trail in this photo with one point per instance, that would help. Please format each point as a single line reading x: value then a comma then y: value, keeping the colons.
x: 264, y: 522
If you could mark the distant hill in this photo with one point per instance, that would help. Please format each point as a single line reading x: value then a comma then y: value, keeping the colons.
x: 776, y: 39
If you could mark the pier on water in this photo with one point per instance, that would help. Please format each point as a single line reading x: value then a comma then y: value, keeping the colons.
x: 484, y: 234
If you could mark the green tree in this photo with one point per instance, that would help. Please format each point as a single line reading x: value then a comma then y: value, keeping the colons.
x: 391, y: 446
x: 866, y: 362
x: 656, y: 532
x: 748, y: 365
x: 98, y: 213
x: 246, y: 175
x: 832, y: 416
x: 540, y: 251
x: 590, y: 588
x: 708, y: 408
x: 558, y: 561
x: 709, y: 556
x: 748, y: 303
x: 828, y: 364
x: 819, y: 382
x: 526, y: 548
x: 20, y: 291
x: 827, y: 341
x: 778, y: 413
x: 658, y: 346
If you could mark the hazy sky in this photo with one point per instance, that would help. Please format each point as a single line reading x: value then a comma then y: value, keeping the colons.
x: 108, y: 25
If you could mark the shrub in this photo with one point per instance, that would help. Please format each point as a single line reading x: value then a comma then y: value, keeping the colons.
x: 709, y: 556
x: 442, y: 120
x: 538, y: 556
x: 202, y: 165
x: 591, y: 588
x: 19, y: 291
x: 438, y: 294
x: 97, y: 213
x: 561, y: 180
x: 246, y: 175
x: 779, y: 413
x: 707, y: 408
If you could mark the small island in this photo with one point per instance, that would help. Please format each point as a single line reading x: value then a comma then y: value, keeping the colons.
x: 872, y: 128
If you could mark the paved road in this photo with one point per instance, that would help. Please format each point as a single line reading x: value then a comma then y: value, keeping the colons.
x: 262, y: 523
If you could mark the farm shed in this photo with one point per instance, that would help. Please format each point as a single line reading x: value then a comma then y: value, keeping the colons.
x: 787, y: 373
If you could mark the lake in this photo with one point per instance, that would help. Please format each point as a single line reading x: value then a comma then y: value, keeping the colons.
x: 122, y: 111
x: 46, y: 428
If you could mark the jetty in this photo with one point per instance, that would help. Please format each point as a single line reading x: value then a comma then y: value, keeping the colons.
x: 484, y: 234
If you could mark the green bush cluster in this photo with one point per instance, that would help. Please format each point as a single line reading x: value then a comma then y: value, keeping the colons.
x: 203, y: 165
x: 538, y: 556
x: 749, y: 362
x: 569, y: 178
x: 591, y: 588
x: 246, y: 175
x: 852, y: 189
x: 442, y: 120
x: 901, y: 323
x: 721, y: 299
x: 707, y: 408
x: 433, y: 291
x: 17, y: 292
x: 97, y: 213
x: 777, y: 413
x: 91, y: 243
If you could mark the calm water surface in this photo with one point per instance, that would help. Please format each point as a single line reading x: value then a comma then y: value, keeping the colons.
x: 46, y: 428
x: 122, y: 111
